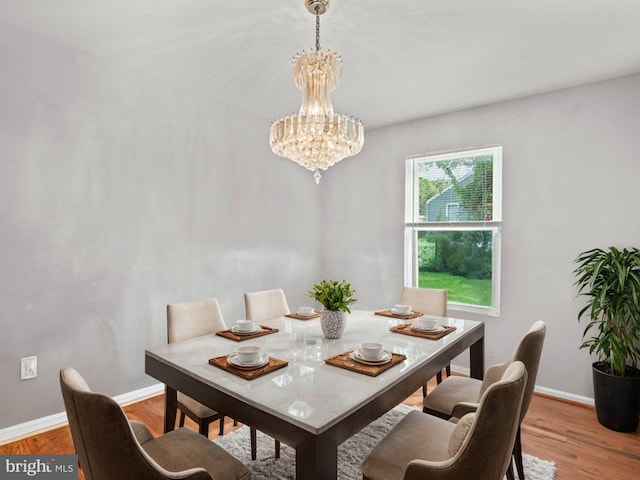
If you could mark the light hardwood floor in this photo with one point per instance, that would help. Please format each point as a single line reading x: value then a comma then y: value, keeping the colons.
x: 563, y: 432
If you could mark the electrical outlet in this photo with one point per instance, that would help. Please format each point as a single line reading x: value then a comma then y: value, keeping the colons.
x: 28, y: 367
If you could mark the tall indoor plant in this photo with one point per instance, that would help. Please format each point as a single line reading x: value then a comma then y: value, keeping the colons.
x: 335, y: 297
x: 610, y: 279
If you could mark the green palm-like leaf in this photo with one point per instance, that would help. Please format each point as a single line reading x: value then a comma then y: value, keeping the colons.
x: 611, y: 282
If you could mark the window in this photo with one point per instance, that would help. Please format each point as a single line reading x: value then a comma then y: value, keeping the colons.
x: 453, y: 221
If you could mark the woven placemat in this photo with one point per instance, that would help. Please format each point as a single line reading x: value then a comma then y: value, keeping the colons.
x: 389, y: 313
x: 274, y: 364
x: 302, y: 317
x: 343, y: 360
x: 406, y: 329
x: 264, y: 330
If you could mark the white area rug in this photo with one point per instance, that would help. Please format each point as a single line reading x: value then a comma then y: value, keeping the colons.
x: 350, y: 453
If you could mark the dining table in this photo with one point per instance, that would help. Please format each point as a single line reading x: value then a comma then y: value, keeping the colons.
x: 311, y: 404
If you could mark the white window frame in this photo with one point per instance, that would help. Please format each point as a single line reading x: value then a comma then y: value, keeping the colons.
x: 413, y: 225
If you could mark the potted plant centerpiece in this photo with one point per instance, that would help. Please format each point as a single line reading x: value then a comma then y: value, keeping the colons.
x: 335, y: 297
x: 610, y: 279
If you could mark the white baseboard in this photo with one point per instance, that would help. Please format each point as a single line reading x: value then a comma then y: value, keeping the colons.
x: 32, y: 427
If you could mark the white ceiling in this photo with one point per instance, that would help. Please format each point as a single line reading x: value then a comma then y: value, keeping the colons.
x: 403, y: 59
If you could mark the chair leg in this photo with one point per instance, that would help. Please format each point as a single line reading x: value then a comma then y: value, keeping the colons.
x: 424, y: 390
x: 253, y: 433
x: 181, y: 424
x: 203, y: 428
x: 235, y: 422
x: 510, y: 471
x: 221, y: 431
x: 448, y: 369
x: 517, y: 455
x: 277, y: 448
x: 439, y: 377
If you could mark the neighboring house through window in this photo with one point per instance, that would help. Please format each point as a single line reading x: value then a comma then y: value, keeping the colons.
x: 453, y: 221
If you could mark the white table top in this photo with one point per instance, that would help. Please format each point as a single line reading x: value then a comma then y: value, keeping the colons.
x: 308, y: 392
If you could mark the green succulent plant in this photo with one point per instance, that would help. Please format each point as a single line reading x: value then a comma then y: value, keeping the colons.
x: 610, y: 279
x: 333, y: 295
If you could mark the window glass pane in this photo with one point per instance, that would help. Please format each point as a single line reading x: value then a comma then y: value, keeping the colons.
x: 455, y: 189
x: 453, y: 220
x: 459, y: 261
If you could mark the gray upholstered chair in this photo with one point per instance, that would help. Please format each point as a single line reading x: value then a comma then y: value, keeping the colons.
x: 431, y: 301
x: 477, y: 447
x: 265, y: 305
x: 457, y: 396
x: 261, y: 306
x: 189, y: 320
x: 109, y: 446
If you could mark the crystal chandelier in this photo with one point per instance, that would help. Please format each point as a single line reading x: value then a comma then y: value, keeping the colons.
x: 316, y: 138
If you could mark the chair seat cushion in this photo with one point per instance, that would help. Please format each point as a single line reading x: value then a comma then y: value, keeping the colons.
x: 451, y: 391
x: 400, y: 446
x: 196, y: 407
x: 182, y: 449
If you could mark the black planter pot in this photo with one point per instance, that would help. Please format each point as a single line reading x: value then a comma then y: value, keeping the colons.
x: 617, y: 399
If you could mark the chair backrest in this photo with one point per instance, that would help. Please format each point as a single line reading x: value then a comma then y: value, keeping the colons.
x: 432, y: 301
x: 528, y: 352
x: 193, y: 319
x: 106, y: 445
x: 482, y: 442
x: 265, y: 305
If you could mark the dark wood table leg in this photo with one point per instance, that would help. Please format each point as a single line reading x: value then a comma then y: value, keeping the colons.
x: 476, y: 357
x: 317, y: 459
x: 170, y: 408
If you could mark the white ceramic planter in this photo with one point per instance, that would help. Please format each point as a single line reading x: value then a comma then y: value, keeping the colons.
x: 333, y: 323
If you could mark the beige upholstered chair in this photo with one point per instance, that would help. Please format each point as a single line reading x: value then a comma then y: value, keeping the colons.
x: 456, y: 396
x: 265, y: 305
x: 478, y: 447
x: 189, y: 320
x: 431, y: 301
x: 261, y: 306
x: 111, y: 447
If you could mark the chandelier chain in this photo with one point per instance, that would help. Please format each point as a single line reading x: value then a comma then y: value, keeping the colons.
x: 317, y: 31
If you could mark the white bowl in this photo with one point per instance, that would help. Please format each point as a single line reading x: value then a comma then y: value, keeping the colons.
x: 248, y: 354
x: 245, y: 325
x: 371, y: 350
x: 402, y: 309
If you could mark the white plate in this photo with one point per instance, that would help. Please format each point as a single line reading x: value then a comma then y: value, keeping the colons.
x: 256, y: 329
x: 306, y: 314
x: 396, y: 312
x: 236, y: 362
x: 436, y: 329
x: 385, y: 358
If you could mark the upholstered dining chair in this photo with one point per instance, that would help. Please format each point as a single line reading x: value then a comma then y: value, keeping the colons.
x: 457, y: 395
x: 265, y: 305
x: 109, y: 446
x: 478, y: 446
x: 189, y: 320
x: 430, y: 301
x: 261, y: 306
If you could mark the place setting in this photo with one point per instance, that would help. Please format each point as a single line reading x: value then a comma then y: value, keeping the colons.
x: 248, y: 361
x: 369, y: 358
x: 404, y: 312
x: 426, y: 327
x: 304, y: 313
x: 246, y: 329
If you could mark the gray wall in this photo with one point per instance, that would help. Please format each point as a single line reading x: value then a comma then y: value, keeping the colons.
x: 120, y: 194
x: 571, y: 164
